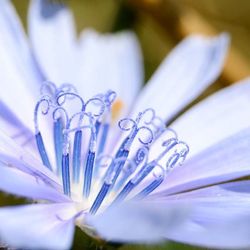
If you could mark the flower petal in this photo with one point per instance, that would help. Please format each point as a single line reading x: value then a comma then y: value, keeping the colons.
x: 217, y: 216
x: 137, y: 222
x: 47, y: 226
x: 14, y: 128
x: 19, y: 183
x: 19, y: 74
x: 110, y: 61
x: 191, y: 67
x: 15, y: 156
x: 226, y: 113
x: 18, y: 46
x: 123, y: 73
x: 226, y: 160
x: 53, y: 38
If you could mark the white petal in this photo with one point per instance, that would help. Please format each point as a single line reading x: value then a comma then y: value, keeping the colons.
x: 14, y: 128
x: 226, y: 160
x: 217, y: 117
x: 19, y: 75
x: 15, y: 156
x: 191, y: 67
x: 17, y: 47
x: 47, y: 226
x: 18, y: 183
x: 110, y: 61
x: 137, y: 222
x: 52, y: 33
x: 217, y: 216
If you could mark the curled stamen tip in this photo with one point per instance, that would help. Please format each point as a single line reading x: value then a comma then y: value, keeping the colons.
x: 186, y: 147
x: 143, y: 114
x: 50, y: 86
x: 47, y: 101
x: 141, y: 154
x: 126, y: 124
x: 67, y: 88
x: 149, y: 138
x: 170, y: 141
x: 60, y: 110
x: 97, y: 102
x: 178, y: 157
x: 160, y: 175
x: 110, y: 97
x: 62, y: 96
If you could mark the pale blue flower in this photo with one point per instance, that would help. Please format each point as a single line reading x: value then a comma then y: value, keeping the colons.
x: 90, y: 174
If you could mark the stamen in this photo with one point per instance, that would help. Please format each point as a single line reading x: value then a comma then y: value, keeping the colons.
x: 88, y: 173
x: 39, y: 139
x: 178, y: 157
x: 67, y: 88
x: 152, y: 186
x: 77, y: 146
x: 159, y: 127
x: 97, y: 102
x: 171, y: 163
x: 77, y: 142
x: 58, y: 142
x: 95, y: 124
x: 121, y: 156
x: 123, y: 174
x: 125, y: 148
x: 77, y: 155
x: 108, y: 183
x: 143, y: 114
x: 110, y: 178
x: 65, y: 174
x: 145, y: 171
x: 140, y: 157
x: 97, y: 127
x: 103, y: 137
x: 99, y: 199
x: 122, y: 153
x: 65, y: 151
x: 62, y: 96
x: 108, y: 98
x: 48, y: 88
x: 90, y: 160
x: 61, y: 99
x: 42, y: 151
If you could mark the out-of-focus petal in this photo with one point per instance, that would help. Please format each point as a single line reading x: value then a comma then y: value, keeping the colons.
x: 219, y: 116
x: 110, y: 61
x: 19, y: 74
x: 47, y: 226
x: 21, y: 184
x: 191, y: 67
x: 15, y: 156
x: 53, y: 38
x: 226, y: 160
x: 14, y: 128
x: 216, y: 218
x: 137, y: 222
x: 18, y: 46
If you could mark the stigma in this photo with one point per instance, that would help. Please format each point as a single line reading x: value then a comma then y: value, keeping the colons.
x: 77, y: 149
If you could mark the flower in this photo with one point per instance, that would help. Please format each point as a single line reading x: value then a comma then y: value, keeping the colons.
x: 129, y: 190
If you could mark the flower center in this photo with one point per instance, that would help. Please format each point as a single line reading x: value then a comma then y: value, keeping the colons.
x: 82, y: 135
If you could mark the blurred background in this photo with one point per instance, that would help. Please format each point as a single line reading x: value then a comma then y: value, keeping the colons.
x: 160, y: 25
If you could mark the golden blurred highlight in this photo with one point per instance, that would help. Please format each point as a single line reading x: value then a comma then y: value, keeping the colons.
x: 180, y: 21
x: 117, y: 107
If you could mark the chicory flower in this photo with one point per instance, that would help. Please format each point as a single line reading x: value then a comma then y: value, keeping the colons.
x: 60, y: 145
